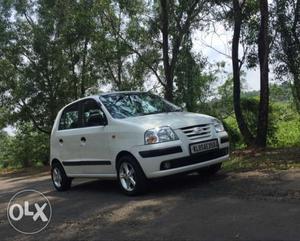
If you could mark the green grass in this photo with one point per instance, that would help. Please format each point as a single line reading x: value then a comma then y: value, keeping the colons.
x: 24, y: 170
x: 269, y: 160
x: 285, y: 129
x: 241, y: 160
x: 287, y: 125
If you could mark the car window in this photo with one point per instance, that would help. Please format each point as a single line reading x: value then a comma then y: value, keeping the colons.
x: 92, y: 114
x: 123, y: 105
x: 70, y: 117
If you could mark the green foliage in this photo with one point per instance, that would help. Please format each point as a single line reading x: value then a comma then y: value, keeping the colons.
x: 52, y: 52
x: 119, y: 46
x: 280, y: 106
x: 27, y: 147
x: 193, y: 84
x: 232, y: 129
x: 5, y: 142
x: 287, y: 45
x: 284, y: 127
x: 250, y: 108
x: 46, y: 59
x: 287, y: 125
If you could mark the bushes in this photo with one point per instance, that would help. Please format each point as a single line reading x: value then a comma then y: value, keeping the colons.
x: 27, y: 148
x: 287, y: 125
x: 232, y: 129
x: 284, y: 124
x: 250, y: 108
x: 5, y: 142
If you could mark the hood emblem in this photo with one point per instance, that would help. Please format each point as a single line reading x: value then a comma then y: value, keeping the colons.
x: 198, y: 130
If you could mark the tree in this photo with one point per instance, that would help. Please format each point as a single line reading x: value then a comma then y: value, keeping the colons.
x: 287, y: 48
x: 192, y: 82
x: 154, y: 36
x: 46, y: 59
x: 243, y: 11
x: 118, y: 62
x: 176, y: 20
x: 236, y: 65
x: 263, y: 53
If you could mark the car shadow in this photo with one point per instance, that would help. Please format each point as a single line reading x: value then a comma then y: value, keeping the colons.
x: 160, y: 186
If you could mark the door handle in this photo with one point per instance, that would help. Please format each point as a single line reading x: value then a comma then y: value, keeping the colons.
x: 83, y: 139
x: 61, y: 141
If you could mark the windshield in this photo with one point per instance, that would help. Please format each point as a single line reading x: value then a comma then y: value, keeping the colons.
x: 123, y: 105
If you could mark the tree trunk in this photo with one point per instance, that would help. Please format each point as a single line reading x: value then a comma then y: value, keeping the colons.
x: 248, y: 138
x: 263, y: 54
x: 164, y: 18
x: 296, y: 90
x: 84, y: 69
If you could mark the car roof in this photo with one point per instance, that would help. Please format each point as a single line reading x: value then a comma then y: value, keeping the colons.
x: 121, y: 92
x: 103, y: 94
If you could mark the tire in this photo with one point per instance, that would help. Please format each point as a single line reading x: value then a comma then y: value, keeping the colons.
x: 131, y: 177
x: 60, y: 180
x: 210, y: 170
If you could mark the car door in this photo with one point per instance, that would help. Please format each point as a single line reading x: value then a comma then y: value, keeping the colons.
x: 68, y: 136
x: 96, y: 152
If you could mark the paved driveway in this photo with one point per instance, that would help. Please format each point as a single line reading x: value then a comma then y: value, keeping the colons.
x: 228, y: 206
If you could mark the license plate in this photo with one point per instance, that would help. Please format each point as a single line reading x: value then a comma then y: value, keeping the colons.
x: 204, y: 146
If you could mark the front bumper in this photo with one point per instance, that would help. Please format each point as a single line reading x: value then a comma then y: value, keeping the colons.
x: 176, y: 154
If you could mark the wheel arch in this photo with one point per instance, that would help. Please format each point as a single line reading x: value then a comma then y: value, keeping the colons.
x: 126, y: 153
x: 121, y: 154
x: 55, y: 160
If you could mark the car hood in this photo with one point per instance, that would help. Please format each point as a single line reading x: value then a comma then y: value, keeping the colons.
x: 175, y: 120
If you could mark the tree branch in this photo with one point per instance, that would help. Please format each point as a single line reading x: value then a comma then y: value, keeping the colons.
x: 28, y: 111
x: 149, y: 66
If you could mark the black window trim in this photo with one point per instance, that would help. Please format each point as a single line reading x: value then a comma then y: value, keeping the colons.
x: 81, y: 112
x: 64, y: 111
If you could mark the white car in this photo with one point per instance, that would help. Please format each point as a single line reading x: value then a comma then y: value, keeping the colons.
x: 132, y: 137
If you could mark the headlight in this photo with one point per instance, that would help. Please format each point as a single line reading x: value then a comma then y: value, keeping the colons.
x: 160, y: 134
x: 218, y: 125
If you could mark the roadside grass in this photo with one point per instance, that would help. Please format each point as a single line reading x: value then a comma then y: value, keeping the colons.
x: 271, y: 159
x: 266, y: 160
x: 24, y: 171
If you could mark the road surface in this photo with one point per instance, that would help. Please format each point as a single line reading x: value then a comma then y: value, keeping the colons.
x: 229, y: 206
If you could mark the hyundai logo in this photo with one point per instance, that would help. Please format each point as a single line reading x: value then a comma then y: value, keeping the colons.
x: 198, y: 130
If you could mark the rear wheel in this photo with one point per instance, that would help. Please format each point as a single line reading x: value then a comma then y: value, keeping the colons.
x: 60, y: 180
x: 131, y: 177
x: 210, y: 170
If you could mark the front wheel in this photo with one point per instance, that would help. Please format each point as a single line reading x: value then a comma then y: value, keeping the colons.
x: 131, y: 177
x: 60, y: 180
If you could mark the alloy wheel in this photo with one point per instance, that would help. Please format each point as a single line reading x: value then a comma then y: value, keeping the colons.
x: 127, y: 176
x: 57, y: 178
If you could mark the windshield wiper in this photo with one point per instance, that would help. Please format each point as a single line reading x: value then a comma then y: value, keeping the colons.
x: 154, y: 112
x: 167, y: 110
x: 177, y: 110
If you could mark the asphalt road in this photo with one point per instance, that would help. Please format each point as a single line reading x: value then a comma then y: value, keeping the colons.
x: 228, y: 206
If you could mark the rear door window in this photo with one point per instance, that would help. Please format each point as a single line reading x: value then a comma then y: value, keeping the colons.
x: 70, y: 117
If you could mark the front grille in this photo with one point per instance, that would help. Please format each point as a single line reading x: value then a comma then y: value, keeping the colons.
x: 194, y: 159
x: 197, y: 132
